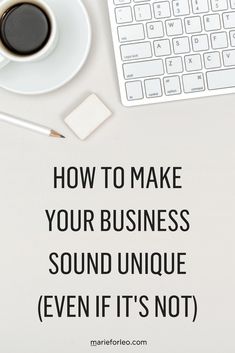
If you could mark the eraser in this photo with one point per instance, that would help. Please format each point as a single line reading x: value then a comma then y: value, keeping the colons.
x: 88, y: 116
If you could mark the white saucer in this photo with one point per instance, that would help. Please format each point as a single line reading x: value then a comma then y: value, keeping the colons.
x: 66, y: 60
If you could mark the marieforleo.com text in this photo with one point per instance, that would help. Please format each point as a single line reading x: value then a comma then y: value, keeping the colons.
x: 120, y: 342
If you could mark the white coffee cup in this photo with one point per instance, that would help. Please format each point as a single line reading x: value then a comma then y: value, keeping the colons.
x: 8, y: 56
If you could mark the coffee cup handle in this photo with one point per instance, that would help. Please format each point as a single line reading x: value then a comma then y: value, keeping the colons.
x: 3, y: 62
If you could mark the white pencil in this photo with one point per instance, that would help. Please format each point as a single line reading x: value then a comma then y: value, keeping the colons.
x: 29, y: 125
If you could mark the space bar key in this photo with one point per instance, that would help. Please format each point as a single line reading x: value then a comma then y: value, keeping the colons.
x: 221, y: 79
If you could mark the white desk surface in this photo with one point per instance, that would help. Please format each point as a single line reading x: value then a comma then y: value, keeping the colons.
x: 196, y: 134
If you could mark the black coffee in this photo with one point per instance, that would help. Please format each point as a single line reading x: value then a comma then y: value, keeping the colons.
x: 25, y: 29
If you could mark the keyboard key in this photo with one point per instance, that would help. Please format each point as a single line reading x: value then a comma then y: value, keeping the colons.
x: 134, y: 90
x: 212, y: 60
x: 162, y: 47
x: 131, y: 33
x: 174, y: 27
x: 229, y: 20
x: 229, y: 57
x: 193, y: 25
x: 193, y: 83
x: 200, y: 43
x: 143, y: 69
x: 219, y: 40
x: 172, y: 85
x: 162, y: 9
x: 174, y: 65
x: 181, y: 7
x: 219, y: 5
x: 155, y: 29
x: 121, y: 2
x: 181, y: 45
x: 200, y: 6
x: 143, y: 12
x: 123, y: 14
x: 136, y: 51
x: 193, y: 62
x: 212, y: 22
x: 153, y: 88
x: 232, y: 38
x: 221, y: 79
x: 232, y: 4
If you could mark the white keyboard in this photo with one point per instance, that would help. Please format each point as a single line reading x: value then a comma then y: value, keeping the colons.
x: 173, y: 49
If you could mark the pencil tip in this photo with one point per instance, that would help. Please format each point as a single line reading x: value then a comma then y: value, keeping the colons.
x: 56, y: 134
